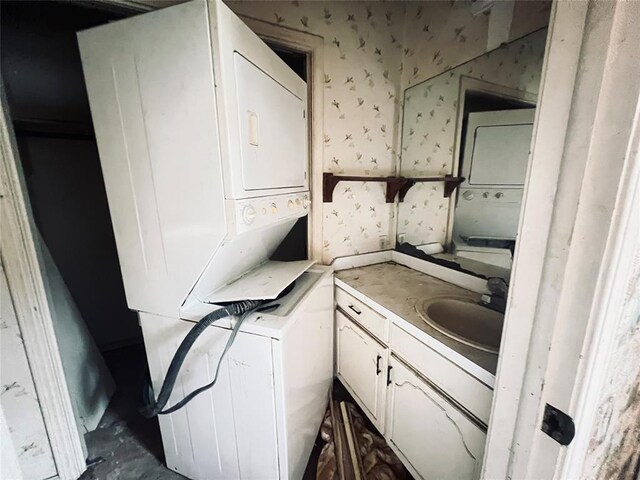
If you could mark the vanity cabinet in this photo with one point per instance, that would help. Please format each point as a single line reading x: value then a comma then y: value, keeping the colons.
x: 431, y: 412
x: 361, y: 363
x: 428, y: 430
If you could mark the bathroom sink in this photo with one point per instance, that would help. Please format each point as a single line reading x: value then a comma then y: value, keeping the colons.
x: 463, y: 320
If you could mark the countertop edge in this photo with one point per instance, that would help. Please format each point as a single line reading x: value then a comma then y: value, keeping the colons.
x: 456, y: 358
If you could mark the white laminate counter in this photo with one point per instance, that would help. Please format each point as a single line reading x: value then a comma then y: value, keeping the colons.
x: 393, y: 290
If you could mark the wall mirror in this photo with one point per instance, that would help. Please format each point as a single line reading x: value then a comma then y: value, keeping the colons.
x: 475, y: 121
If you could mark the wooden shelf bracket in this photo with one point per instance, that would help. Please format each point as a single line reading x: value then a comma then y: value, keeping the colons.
x: 395, y: 185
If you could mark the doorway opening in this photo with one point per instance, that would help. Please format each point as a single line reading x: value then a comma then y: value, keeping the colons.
x: 295, y: 245
x: 99, y: 340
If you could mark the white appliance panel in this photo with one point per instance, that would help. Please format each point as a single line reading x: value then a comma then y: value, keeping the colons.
x: 272, y: 126
x: 496, y: 156
x: 304, y: 374
x: 158, y: 146
x: 262, y: 283
x: 488, y: 217
x: 261, y: 419
x: 169, y: 135
x: 232, y: 40
x: 232, y: 260
x: 500, y: 154
x: 227, y: 432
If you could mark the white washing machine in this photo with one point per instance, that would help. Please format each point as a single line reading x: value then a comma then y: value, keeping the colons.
x: 260, y: 420
x: 202, y: 136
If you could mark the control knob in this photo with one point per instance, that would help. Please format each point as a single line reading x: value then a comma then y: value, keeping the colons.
x: 248, y: 214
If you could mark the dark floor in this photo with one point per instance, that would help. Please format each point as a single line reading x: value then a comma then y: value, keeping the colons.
x: 127, y: 446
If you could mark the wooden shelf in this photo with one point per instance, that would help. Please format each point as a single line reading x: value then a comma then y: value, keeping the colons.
x: 395, y: 185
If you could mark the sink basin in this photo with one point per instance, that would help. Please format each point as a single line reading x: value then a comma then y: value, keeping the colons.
x: 463, y: 320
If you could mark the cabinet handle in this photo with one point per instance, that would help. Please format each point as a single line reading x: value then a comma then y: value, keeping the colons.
x: 358, y: 312
x: 389, y: 375
x: 378, y: 358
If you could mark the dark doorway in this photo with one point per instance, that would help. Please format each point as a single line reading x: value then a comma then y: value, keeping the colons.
x: 295, y: 245
x: 43, y: 77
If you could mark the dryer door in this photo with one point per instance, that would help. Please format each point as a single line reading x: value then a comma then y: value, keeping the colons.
x: 272, y: 130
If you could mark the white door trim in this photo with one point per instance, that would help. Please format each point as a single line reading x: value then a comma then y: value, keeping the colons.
x: 623, y: 243
x: 23, y: 265
x: 313, y: 46
x: 559, y: 70
x: 584, y: 122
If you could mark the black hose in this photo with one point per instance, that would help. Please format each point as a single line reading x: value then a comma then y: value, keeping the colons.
x: 152, y: 407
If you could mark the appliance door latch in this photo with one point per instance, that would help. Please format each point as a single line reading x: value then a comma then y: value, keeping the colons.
x: 558, y: 425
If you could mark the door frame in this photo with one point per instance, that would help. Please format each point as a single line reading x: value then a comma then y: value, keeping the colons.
x: 313, y: 47
x: 24, y: 267
x: 570, y: 239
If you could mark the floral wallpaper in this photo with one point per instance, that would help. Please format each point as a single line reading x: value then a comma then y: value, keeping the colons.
x: 369, y: 47
x: 429, y: 130
x: 362, y: 60
x: 441, y: 35
x: 18, y: 397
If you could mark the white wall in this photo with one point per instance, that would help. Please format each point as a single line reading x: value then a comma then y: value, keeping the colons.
x: 18, y: 398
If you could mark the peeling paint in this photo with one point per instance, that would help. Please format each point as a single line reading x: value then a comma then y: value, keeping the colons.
x: 614, y: 449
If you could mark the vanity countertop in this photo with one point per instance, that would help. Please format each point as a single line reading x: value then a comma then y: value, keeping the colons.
x: 397, y: 288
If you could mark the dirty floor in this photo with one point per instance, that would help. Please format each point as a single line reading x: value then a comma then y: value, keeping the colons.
x: 127, y: 446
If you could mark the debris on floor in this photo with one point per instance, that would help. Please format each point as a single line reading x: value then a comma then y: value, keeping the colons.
x: 126, y: 446
x: 354, y: 451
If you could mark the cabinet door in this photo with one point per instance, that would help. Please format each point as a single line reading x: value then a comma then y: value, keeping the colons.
x: 435, y: 438
x: 362, y: 366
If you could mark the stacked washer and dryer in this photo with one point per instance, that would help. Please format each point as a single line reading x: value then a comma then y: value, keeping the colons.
x: 202, y: 136
x: 494, y: 165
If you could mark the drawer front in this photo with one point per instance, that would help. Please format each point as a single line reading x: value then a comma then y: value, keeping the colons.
x: 468, y: 391
x: 375, y: 323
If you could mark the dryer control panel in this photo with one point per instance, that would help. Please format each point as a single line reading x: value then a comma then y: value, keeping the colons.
x: 255, y: 213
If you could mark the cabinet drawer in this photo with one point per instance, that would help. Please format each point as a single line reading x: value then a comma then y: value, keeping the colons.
x: 473, y: 395
x: 375, y: 323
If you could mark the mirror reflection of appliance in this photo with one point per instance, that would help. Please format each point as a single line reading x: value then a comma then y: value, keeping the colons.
x: 202, y: 135
x: 494, y: 164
